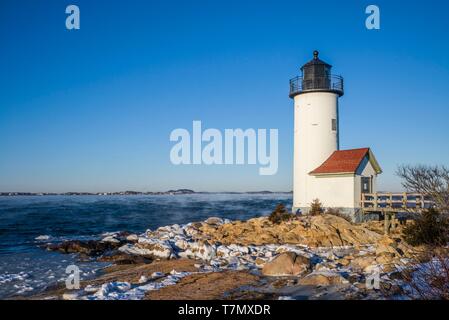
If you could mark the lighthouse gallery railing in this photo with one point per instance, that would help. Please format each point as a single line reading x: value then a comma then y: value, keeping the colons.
x: 326, y: 83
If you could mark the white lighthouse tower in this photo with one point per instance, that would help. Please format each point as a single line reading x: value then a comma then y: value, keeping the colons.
x: 316, y: 142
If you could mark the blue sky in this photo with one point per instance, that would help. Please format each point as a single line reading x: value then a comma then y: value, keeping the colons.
x: 92, y: 109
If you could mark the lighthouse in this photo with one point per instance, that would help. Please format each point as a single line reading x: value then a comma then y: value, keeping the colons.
x: 321, y: 170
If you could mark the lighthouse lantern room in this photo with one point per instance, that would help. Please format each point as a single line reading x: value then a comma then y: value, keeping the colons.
x: 321, y: 170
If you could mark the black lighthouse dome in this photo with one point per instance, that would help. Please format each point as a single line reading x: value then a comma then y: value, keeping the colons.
x: 316, y: 76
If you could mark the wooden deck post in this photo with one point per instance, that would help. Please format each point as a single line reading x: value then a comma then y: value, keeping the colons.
x: 387, y: 222
x: 404, y: 200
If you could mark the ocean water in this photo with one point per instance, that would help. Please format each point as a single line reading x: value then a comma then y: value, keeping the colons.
x: 26, y: 268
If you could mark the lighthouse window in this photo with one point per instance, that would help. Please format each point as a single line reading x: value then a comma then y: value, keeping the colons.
x: 334, y: 124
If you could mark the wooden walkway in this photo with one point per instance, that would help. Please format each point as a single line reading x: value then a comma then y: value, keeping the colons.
x: 387, y: 205
x: 394, y: 202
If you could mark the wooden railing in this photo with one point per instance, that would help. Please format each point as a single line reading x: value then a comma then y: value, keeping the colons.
x: 394, y: 202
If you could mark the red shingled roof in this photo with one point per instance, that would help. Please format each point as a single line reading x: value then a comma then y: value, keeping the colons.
x: 345, y: 161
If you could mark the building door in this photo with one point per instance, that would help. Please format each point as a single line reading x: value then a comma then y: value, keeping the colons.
x: 366, y: 185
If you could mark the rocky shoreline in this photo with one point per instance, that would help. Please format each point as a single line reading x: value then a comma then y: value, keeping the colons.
x: 319, y: 257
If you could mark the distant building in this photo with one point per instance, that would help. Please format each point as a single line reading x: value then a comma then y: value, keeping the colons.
x: 321, y: 170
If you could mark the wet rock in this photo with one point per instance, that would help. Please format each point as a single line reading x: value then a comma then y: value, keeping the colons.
x: 287, y: 264
x: 121, y: 258
x: 89, y: 248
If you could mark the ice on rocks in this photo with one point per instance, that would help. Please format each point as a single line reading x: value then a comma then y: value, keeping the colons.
x: 112, y: 290
x: 89, y: 288
x: 132, y: 237
x: 285, y: 298
x: 157, y: 275
x: 198, y: 250
x: 70, y: 296
x: 182, y: 241
x: 125, y: 291
x: 111, y: 239
x: 156, y: 247
x: 42, y: 238
x: 143, y: 279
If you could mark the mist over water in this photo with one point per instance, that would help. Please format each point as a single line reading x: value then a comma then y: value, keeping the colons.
x: 26, y: 268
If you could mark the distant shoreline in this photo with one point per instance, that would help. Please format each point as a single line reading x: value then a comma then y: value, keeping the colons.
x: 133, y: 193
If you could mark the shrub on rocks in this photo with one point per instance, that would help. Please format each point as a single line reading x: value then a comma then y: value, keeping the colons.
x: 316, y: 208
x: 430, y: 228
x: 280, y: 214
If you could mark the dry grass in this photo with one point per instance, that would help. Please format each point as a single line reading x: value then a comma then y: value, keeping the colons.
x: 429, y: 278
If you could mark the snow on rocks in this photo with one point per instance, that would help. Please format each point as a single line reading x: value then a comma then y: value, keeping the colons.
x: 90, y: 289
x: 183, y: 241
x: 132, y: 237
x: 285, y: 298
x: 111, y: 238
x: 198, y: 250
x: 319, y: 265
x: 70, y: 296
x: 112, y: 291
x: 150, y: 247
x: 127, y: 291
x: 157, y: 275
